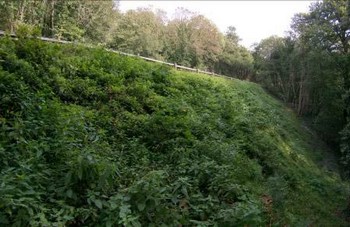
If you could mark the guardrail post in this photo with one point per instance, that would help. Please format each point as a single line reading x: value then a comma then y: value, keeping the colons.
x: 175, y: 65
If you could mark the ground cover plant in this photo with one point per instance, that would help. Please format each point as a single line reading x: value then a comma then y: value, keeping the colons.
x: 91, y: 138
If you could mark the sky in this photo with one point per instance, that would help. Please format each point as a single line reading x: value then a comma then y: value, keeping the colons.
x: 254, y: 20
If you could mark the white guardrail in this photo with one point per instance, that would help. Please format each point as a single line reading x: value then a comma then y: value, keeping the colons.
x: 176, y: 66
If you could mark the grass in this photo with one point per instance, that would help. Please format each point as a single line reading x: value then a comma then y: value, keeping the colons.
x: 92, y: 138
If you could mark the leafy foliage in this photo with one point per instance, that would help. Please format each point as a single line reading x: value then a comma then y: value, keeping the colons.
x: 188, y: 39
x: 90, y: 138
x: 70, y: 20
x: 309, y: 70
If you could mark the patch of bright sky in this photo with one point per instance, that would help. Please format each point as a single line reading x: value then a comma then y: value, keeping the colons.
x: 254, y: 20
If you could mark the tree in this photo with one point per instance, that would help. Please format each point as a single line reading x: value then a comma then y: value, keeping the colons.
x: 310, y: 70
x: 16, y: 13
x: 193, y: 40
x: 178, y: 38
x: 327, y: 29
x: 141, y: 32
x: 205, y: 42
x: 234, y: 60
x: 70, y: 20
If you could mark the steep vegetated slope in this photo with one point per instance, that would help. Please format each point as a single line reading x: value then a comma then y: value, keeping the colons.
x: 92, y: 138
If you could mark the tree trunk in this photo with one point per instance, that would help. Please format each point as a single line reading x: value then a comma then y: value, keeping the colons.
x: 52, y: 17
x: 20, y: 12
x: 301, y: 89
x: 11, y: 20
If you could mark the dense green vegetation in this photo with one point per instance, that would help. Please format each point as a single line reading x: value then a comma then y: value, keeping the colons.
x: 188, y: 39
x: 90, y: 138
x: 310, y: 70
